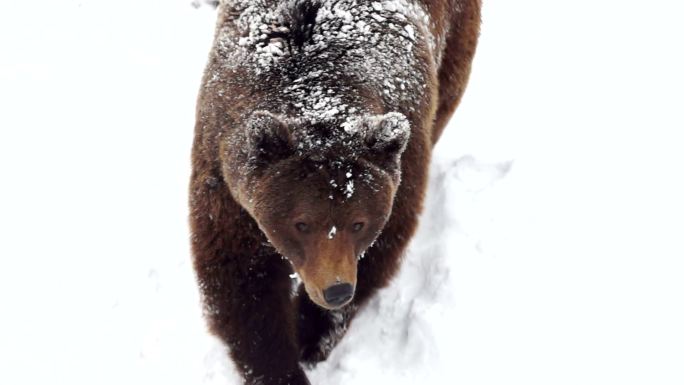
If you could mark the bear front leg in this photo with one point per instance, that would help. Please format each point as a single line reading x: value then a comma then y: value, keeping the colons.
x: 318, y: 329
x: 248, y: 305
x: 245, y: 286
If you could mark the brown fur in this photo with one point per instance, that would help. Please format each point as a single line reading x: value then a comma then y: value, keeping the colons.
x: 241, y: 272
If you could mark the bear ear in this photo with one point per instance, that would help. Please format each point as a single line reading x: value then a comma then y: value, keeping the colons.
x: 386, y: 137
x: 269, y: 137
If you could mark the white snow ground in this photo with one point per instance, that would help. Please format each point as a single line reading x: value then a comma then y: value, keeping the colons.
x: 550, y: 251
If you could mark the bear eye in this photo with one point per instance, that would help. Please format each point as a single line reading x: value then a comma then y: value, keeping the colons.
x: 357, y: 226
x: 302, y: 227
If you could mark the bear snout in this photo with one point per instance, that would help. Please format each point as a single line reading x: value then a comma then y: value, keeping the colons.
x: 338, y: 294
x: 330, y: 283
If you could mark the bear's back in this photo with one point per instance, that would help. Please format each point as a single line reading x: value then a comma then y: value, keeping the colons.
x: 326, y: 60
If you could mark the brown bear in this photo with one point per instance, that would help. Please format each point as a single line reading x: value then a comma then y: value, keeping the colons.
x: 315, y: 125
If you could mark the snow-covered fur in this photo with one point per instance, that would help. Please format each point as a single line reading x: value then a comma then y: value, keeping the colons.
x: 315, y: 124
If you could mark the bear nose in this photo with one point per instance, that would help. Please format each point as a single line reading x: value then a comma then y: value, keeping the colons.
x: 338, y: 294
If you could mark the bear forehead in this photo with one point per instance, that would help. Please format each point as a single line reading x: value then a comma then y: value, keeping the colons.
x: 331, y: 178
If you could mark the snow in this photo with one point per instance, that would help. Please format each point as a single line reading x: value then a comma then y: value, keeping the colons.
x: 550, y: 250
x: 349, y: 188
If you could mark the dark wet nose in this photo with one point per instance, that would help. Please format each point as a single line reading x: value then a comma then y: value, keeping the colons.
x: 338, y: 294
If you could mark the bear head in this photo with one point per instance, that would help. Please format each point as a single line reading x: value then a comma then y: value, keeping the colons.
x: 321, y: 193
